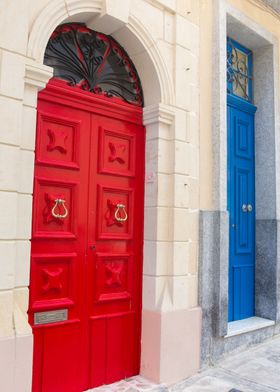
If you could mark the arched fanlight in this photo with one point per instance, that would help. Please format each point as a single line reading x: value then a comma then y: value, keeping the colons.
x: 93, y: 61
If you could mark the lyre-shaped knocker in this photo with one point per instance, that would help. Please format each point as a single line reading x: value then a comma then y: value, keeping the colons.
x: 120, y: 217
x: 58, y: 215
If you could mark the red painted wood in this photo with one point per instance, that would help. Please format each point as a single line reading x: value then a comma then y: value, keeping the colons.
x: 89, y: 262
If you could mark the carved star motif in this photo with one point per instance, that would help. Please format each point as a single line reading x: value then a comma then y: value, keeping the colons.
x: 52, y: 279
x: 116, y: 152
x: 57, y: 140
x: 113, y: 273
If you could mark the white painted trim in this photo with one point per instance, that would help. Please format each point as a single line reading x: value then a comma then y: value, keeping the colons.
x: 50, y: 17
x: 165, y: 79
x: 37, y: 75
x: 56, y: 13
x: 158, y: 113
x: 248, y: 325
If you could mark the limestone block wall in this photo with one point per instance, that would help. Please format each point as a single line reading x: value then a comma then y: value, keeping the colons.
x: 162, y: 38
x: 16, y: 183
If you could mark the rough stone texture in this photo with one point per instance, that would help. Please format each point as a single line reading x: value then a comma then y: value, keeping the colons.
x: 213, y: 276
x: 266, y: 269
x: 278, y: 275
x: 265, y: 135
x: 222, y: 346
x: 213, y: 291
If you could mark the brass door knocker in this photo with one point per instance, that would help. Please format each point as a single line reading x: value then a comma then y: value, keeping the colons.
x: 118, y: 215
x: 57, y: 203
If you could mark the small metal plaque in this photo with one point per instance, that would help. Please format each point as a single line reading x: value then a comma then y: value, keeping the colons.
x: 53, y: 316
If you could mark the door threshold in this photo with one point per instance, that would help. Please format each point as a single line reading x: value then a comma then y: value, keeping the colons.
x: 132, y: 384
x: 247, y: 325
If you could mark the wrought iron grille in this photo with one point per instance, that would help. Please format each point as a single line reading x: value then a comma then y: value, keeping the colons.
x: 93, y: 61
x: 239, y: 70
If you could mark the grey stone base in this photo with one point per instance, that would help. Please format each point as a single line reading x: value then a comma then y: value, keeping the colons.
x: 267, y: 269
x: 213, y: 284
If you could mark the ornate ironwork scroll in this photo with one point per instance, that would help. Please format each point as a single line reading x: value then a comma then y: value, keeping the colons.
x: 93, y: 61
x: 239, y: 76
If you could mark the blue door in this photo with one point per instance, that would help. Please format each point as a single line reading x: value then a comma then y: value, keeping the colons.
x: 241, y: 205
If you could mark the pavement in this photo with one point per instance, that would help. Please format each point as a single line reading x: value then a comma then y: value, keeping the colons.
x: 255, y: 370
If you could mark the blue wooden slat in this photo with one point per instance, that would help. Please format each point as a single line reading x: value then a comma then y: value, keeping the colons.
x: 241, y: 190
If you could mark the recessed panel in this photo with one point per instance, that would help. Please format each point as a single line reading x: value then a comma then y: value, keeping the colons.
x: 113, y: 274
x: 57, y: 141
x: 243, y: 136
x: 114, y: 348
x: 61, y: 367
x: 53, y: 279
x: 115, y: 210
x: 243, y: 243
x: 54, y: 203
x: 244, y: 287
x: 116, y: 152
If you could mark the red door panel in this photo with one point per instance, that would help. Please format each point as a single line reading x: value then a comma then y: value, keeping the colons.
x: 54, y: 280
x: 87, y: 237
x: 112, y: 277
x: 46, y: 192
x: 114, y: 344
x: 111, y: 223
x: 116, y: 152
x: 58, y: 140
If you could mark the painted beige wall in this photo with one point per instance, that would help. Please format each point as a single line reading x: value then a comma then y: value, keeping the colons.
x: 265, y: 18
x: 205, y: 103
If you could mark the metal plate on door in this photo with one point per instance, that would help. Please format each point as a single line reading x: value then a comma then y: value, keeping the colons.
x: 53, y: 316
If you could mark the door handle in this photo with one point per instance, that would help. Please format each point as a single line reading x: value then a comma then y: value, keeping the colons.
x: 118, y: 217
x: 92, y: 247
x: 58, y: 215
x: 247, y: 208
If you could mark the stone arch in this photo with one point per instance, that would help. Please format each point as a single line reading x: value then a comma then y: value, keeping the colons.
x: 125, y: 27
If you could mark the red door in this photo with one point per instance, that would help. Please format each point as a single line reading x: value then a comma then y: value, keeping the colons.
x: 87, y: 237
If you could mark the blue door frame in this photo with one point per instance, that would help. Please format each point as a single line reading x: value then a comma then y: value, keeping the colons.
x: 241, y: 207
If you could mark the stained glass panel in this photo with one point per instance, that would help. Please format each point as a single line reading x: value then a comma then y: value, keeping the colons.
x: 239, y: 70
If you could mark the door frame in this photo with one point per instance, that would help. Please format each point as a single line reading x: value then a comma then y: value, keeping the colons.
x: 214, y: 222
